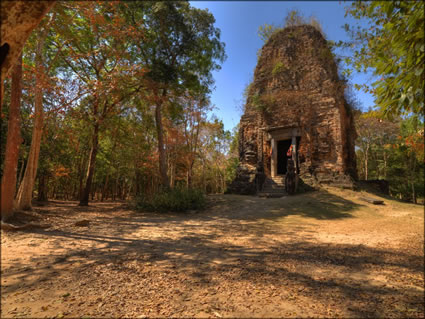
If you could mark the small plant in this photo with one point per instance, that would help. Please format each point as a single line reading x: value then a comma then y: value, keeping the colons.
x: 294, y: 18
x: 177, y: 199
x: 326, y: 55
x: 278, y: 68
x: 316, y: 23
x: 266, y: 31
x: 258, y: 103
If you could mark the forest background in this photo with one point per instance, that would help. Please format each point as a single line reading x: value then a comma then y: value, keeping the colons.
x: 114, y: 102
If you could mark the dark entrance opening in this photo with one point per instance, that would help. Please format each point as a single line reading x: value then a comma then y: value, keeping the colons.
x: 282, y: 149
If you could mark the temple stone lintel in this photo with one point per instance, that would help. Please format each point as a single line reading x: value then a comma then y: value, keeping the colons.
x: 284, y: 134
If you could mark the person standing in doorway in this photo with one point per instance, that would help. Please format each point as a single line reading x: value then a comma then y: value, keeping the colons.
x: 289, y: 153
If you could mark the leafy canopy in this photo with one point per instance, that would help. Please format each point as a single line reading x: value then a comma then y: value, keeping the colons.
x: 180, y: 45
x: 392, y: 46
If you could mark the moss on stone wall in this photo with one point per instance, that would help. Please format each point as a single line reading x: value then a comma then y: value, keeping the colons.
x: 278, y: 68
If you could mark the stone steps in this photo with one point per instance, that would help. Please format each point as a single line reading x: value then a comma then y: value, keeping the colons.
x: 273, y: 187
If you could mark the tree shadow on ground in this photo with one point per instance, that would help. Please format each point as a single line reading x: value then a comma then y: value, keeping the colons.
x: 226, y: 244
x: 369, y: 187
x: 323, y: 272
x: 321, y: 205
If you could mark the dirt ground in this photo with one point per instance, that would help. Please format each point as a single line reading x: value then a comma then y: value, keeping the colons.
x: 321, y: 254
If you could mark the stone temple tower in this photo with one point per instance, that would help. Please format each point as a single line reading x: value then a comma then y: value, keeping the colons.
x: 296, y: 99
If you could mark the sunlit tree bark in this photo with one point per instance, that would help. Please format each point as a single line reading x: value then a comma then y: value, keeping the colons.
x: 14, y: 139
x: 24, y: 196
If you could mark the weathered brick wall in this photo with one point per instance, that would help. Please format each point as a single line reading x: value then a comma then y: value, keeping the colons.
x: 296, y: 84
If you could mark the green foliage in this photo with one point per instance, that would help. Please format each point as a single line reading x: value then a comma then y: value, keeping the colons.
x: 108, y: 63
x: 231, y: 167
x: 392, y: 46
x: 392, y: 150
x: 233, y: 160
x: 173, y: 200
x: 258, y: 103
x: 266, y: 31
x: 179, y: 45
x: 326, y: 55
x: 245, y: 94
x: 278, y: 68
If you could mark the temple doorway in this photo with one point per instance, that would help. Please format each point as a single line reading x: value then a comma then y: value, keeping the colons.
x: 282, y: 159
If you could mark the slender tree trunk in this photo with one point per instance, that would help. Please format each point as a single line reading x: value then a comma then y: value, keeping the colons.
x: 25, y: 191
x: 14, y: 140
x: 84, y: 201
x: 189, y: 175
x: 93, y: 187
x: 74, y: 191
x: 21, y: 173
x: 172, y: 171
x: 385, y: 165
x: 115, y: 192
x: 81, y: 177
x: 412, y: 174
x: 413, y: 193
x: 54, y: 191
x: 105, y: 188
x: 161, y: 150
x: 42, y: 194
x: 124, y: 190
x: 366, y: 162
x: 137, y: 182
x: 118, y: 189
x: 203, y: 175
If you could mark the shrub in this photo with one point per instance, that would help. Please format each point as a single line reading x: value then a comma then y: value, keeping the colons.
x: 279, y: 67
x: 177, y: 199
x: 258, y: 103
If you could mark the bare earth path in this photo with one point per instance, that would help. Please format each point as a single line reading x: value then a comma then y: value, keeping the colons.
x: 321, y: 254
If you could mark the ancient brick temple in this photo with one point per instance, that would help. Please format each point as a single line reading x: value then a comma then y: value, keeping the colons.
x: 296, y: 99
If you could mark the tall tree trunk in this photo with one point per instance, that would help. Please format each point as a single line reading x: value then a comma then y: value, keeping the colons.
x: 24, y: 196
x: 161, y: 150
x: 189, y: 175
x: 14, y: 140
x: 84, y: 201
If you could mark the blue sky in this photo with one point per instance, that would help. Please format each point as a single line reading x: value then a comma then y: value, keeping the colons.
x: 239, y: 22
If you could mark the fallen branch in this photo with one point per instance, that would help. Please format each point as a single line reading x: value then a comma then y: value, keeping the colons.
x: 10, y: 227
x: 372, y: 200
